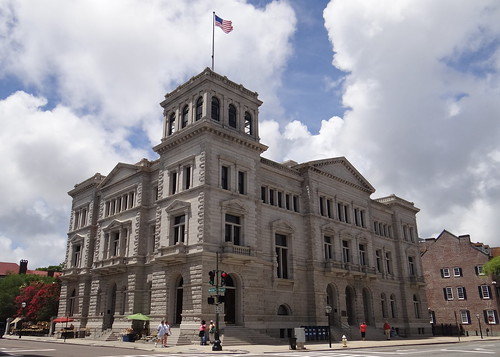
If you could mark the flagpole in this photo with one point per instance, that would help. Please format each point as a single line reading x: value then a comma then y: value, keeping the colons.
x: 213, y: 36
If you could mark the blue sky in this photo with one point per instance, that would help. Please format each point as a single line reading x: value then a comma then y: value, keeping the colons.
x: 407, y: 90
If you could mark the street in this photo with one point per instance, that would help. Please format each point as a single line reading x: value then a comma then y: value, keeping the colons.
x: 27, y: 348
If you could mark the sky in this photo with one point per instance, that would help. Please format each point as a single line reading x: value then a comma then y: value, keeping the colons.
x: 407, y: 90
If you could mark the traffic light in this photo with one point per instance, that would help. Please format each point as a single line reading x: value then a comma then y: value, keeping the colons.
x: 211, y: 300
x: 221, y: 299
x: 223, y: 276
x: 211, y: 275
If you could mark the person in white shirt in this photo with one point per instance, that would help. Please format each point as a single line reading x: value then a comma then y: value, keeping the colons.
x: 162, y: 332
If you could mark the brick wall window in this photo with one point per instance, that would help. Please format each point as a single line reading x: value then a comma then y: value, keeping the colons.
x: 479, y: 270
x: 457, y: 272
x: 448, y: 293
x: 484, y: 292
x: 491, y: 317
x: 465, y: 317
x: 445, y: 272
x: 461, y: 294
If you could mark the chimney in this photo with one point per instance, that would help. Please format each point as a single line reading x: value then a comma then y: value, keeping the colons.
x: 23, y: 266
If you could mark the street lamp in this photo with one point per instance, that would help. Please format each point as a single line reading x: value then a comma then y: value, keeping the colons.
x: 328, y: 310
x: 23, y: 305
x: 480, y: 329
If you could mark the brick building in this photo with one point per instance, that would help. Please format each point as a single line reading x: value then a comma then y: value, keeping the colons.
x: 293, y: 238
x: 458, y: 292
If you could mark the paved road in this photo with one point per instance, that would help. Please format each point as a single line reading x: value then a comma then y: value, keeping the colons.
x: 37, y: 348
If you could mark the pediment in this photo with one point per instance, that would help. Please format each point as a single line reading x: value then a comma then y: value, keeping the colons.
x: 281, y: 225
x: 117, y: 224
x: 119, y: 172
x: 234, y: 205
x: 77, y: 238
x: 342, y: 170
x: 178, y: 206
x: 328, y: 228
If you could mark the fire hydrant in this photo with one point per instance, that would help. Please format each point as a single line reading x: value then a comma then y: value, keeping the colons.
x: 344, y: 341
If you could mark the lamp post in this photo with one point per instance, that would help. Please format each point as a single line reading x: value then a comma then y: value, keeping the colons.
x: 480, y: 329
x: 328, y: 310
x: 23, y: 305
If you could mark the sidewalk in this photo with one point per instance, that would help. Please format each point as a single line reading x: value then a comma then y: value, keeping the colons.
x: 255, y: 349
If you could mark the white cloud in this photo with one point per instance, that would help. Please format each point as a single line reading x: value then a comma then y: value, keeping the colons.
x: 94, y: 74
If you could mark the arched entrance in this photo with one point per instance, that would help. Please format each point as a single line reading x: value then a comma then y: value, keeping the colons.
x: 350, y: 299
x: 230, y: 302
x: 179, y: 293
x: 332, y: 300
x: 367, y: 306
x: 109, y: 316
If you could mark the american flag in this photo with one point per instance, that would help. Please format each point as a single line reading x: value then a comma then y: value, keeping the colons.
x: 225, y: 25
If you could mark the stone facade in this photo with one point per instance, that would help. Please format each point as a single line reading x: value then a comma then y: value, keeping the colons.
x: 293, y: 238
x: 459, y: 295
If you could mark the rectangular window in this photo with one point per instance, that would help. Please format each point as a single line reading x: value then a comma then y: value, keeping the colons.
x: 179, y: 228
x: 362, y: 218
x: 388, y: 262
x: 263, y: 194
x: 152, y: 239
x: 287, y: 202
x: 115, y: 244
x: 328, y: 248
x: 445, y: 272
x: 242, y: 182
x: 479, y: 270
x: 173, y: 183
x: 187, y: 177
x: 362, y: 255
x: 280, y: 199
x: 224, y: 177
x: 233, y: 229
x: 378, y: 256
x: 346, y: 252
x: 329, y: 210
x: 322, y: 206
x: 411, y: 266
x: 484, y: 292
x: 296, y: 203
x: 77, y: 250
x: 465, y: 316
x: 281, y: 256
x: 461, y: 293
x: 457, y: 272
x: 271, y: 196
x: 491, y: 317
x: 156, y: 193
x: 448, y: 293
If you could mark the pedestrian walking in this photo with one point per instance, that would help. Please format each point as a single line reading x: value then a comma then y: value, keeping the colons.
x: 387, y: 330
x: 168, y: 332
x: 362, y: 329
x: 211, y: 331
x: 203, y: 333
x: 161, y: 334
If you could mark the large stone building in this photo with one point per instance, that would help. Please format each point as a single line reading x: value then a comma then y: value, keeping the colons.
x: 460, y: 296
x: 293, y: 238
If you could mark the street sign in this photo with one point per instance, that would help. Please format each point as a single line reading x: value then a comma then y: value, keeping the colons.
x: 219, y: 309
x: 214, y: 290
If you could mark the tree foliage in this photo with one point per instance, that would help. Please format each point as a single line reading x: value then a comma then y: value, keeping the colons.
x: 58, y: 267
x: 11, y: 286
x: 41, y: 300
x: 492, y: 267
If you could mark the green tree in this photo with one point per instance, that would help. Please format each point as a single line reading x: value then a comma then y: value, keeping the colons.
x: 10, y: 288
x: 492, y: 267
x: 58, y: 268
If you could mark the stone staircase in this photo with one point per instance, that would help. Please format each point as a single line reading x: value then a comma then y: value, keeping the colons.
x: 238, y: 335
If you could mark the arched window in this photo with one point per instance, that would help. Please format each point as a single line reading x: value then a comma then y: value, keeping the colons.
x: 199, y: 108
x: 383, y: 303
x: 171, y: 124
x: 215, y: 109
x: 248, y: 124
x: 393, y: 306
x: 185, y: 112
x: 283, y: 310
x: 416, y: 306
x: 232, y: 116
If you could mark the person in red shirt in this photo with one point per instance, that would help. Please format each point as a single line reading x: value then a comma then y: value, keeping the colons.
x: 387, y: 330
x: 362, y: 329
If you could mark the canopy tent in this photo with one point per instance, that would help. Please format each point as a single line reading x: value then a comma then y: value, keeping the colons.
x: 138, y: 316
x: 16, y: 320
x: 62, y: 319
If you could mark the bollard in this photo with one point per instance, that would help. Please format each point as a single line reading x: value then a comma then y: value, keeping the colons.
x: 344, y: 341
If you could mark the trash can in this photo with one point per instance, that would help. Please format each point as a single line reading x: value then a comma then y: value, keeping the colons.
x: 293, y: 343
